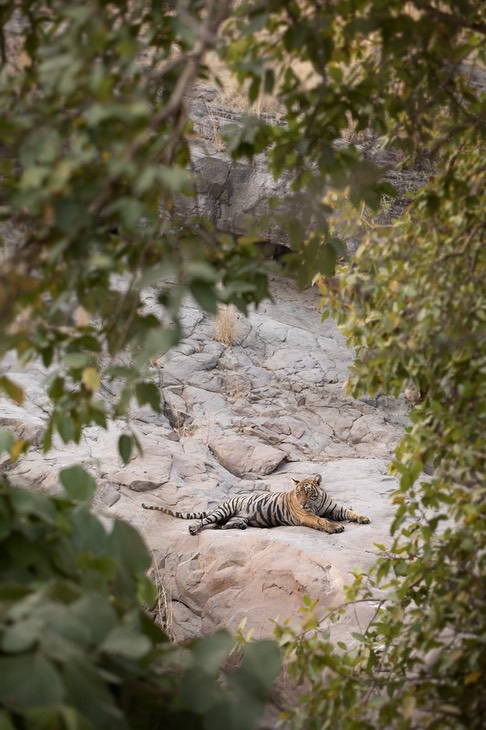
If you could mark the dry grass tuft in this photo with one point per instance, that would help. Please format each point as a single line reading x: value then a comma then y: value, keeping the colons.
x: 232, y: 94
x: 161, y: 614
x: 226, y: 323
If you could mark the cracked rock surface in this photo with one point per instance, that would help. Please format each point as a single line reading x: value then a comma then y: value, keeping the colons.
x: 235, y: 419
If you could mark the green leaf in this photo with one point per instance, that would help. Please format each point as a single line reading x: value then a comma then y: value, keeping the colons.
x: 147, y: 591
x: 98, y: 414
x: 29, y: 680
x: 94, y: 611
x: 327, y: 259
x: 260, y: 665
x: 125, y: 447
x: 131, y: 212
x: 176, y: 179
x: 257, y: 22
x: 29, y: 503
x: 7, y: 440
x: 83, y: 680
x: 47, y: 440
x: 14, y: 391
x: 254, y: 88
x: 22, y: 636
x: 157, y: 342
x: 249, y: 685
x: 202, y: 272
x: 77, y: 482
x: 77, y: 360
x: 90, y: 536
x: 71, y: 216
x: 130, y: 550
x: 66, y: 427
x: 61, y: 717
x: 199, y: 693
x: 125, y: 642
x: 56, y: 387
x: 269, y: 81
x: 91, y: 379
x: 153, y: 630
x: 210, y: 652
x: 204, y: 295
x: 123, y: 401
x: 338, y: 246
x: 148, y: 393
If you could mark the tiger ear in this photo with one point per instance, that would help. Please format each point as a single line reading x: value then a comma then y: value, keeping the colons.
x: 295, y: 481
x: 318, y: 478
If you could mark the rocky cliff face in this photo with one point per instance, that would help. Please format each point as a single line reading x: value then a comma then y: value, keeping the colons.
x: 235, y: 196
x: 237, y: 418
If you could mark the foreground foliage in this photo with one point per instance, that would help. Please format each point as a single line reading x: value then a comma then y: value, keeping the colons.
x: 78, y: 651
x: 95, y: 153
x: 413, y: 303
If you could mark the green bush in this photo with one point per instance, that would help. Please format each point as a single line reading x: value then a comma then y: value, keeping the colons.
x: 77, y: 650
x: 413, y: 304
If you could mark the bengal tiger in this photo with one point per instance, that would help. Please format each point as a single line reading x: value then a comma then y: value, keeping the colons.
x: 307, y: 504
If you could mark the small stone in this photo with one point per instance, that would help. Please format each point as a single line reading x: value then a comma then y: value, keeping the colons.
x: 108, y: 493
x: 139, y: 486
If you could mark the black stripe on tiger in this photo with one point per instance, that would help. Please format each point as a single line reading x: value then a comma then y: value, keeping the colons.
x: 307, y: 504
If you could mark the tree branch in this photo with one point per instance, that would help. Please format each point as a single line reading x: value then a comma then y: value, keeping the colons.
x: 451, y: 18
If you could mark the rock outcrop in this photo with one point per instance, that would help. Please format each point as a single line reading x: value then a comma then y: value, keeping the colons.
x: 236, y: 419
x: 235, y: 195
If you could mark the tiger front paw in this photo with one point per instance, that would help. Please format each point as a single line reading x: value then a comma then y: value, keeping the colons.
x: 194, y: 529
x: 336, y: 528
x: 363, y: 520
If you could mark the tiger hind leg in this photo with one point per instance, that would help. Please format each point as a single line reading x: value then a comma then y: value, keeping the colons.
x: 212, y: 519
x: 198, y: 526
x: 236, y: 523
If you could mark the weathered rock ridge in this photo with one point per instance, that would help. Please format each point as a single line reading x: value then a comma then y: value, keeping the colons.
x: 235, y: 196
x: 240, y: 418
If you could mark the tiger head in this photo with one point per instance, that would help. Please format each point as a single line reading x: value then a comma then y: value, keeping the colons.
x: 309, y: 493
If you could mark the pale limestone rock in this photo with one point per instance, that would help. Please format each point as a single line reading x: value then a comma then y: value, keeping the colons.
x: 241, y: 455
x: 245, y: 418
x: 222, y: 576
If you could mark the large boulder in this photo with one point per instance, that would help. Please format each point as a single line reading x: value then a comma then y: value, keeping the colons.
x: 244, y: 456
